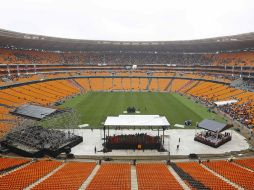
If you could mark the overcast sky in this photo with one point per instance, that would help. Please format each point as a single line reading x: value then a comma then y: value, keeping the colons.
x: 143, y: 20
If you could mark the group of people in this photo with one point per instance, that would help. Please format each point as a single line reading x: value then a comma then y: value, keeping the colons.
x: 240, y: 112
x: 119, y: 57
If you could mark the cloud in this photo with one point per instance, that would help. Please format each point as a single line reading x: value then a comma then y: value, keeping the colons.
x: 129, y: 20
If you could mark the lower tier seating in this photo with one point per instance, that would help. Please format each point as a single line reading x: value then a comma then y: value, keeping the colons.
x: 234, y: 173
x: 204, y: 176
x: 21, y: 173
x: 6, y: 163
x: 112, y: 176
x: 21, y: 178
x: 155, y: 176
x: 71, y: 176
x: 248, y: 163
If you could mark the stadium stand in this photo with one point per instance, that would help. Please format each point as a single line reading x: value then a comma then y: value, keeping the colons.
x: 155, y: 176
x: 5, y: 128
x: 10, y: 163
x: 232, y: 172
x: 9, y: 56
x: 22, y: 177
x: 46, y: 174
x: 112, y: 176
x: 70, y: 176
x: 24, y: 78
x: 248, y: 163
x: 199, y: 173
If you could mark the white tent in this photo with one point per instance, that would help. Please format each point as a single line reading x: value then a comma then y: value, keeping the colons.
x: 137, y: 120
x: 222, y: 103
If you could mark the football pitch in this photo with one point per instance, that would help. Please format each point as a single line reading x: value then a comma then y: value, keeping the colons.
x: 94, y: 107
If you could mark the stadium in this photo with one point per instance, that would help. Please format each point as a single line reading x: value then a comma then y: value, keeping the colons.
x: 111, y: 114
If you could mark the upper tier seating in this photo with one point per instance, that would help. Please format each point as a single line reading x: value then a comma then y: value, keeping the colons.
x: 9, y: 56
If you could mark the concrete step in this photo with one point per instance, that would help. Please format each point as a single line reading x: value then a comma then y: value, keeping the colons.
x: 250, y: 170
x: 134, y: 180
x: 177, y: 177
x: 223, y: 178
x: 18, y: 168
x: 90, y: 178
x: 43, y: 178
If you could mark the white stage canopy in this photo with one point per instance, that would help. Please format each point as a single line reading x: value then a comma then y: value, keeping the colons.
x: 137, y: 121
x: 222, y: 103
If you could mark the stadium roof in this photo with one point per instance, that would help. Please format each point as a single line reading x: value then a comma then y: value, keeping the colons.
x: 214, y: 126
x: 31, y: 41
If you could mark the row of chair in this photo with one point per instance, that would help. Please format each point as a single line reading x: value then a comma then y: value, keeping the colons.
x: 70, y: 176
x: 155, y: 176
x: 112, y: 176
x: 248, y: 163
x: 234, y: 173
x: 204, y: 176
x: 6, y: 163
x: 25, y: 176
x: 8, y: 56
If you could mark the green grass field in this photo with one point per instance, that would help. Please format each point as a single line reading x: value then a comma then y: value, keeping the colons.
x: 94, y: 107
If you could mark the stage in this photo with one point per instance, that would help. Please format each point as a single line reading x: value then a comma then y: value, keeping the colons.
x: 187, y: 145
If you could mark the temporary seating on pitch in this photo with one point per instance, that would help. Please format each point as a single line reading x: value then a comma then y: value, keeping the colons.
x: 234, y: 173
x: 23, y: 177
x: 152, y: 176
x: 248, y: 163
x: 71, y: 176
x: 204, y: 176
x: 7, y: 163
x: 112, y: 176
